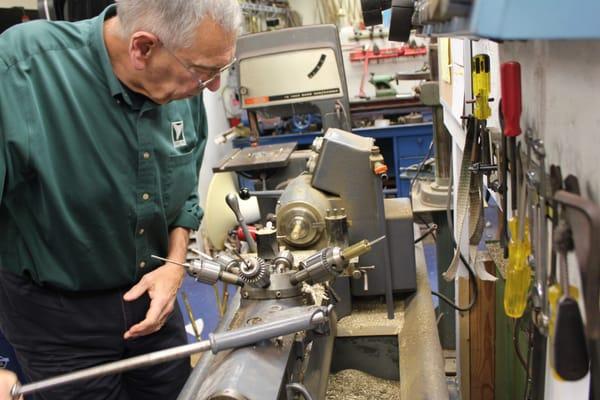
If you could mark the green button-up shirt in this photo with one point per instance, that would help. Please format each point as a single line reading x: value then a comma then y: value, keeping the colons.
x: 92, y: 176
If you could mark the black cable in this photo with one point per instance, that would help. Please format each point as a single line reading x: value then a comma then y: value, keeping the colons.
x: 421, y: 165
x: 430, y: 231
x: 529, y: 380
x: 473, y: 278
x: 515, y: 340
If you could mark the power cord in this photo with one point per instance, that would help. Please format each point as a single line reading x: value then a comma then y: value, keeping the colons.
x: 421, y: 165
x: 472, y: 277
x: 431, y: 230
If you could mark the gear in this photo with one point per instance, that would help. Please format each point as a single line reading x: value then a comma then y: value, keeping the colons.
x: 255, y: 272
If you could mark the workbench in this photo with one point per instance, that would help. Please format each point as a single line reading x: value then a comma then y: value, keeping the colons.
x: 401, y: 146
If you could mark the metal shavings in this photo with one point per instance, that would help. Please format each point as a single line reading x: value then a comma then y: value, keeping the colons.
x: 317, y: 292
x: 351, y: 384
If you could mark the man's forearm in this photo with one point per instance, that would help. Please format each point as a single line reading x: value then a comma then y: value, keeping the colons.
x: 178, y: 242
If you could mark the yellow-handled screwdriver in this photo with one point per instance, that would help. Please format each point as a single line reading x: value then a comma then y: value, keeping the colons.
x: 481, y: 86
x: 480, y: 74
x: 518, y: 272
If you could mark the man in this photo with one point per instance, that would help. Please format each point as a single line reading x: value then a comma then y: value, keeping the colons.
x: 102, y: 131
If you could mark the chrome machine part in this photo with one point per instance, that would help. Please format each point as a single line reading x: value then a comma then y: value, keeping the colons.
x: 255, y: 272
x: 206, y: 271
x: 300, y: 214
x: 285, y: 322
x: 284, y: 261
x: 320, y: 267
x: 280, y: 288
x: 232, y: 202
x: 228, y: 262
x: 329, y: 262
x: 228, y: 394
x: 266, y: 243
x: 336, y: 226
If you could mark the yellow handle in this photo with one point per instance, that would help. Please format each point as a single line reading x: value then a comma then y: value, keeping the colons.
x: 481, y: 86
x: 518, y: 272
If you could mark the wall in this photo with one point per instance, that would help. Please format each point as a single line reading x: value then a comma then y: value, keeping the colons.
x: 29, y: 4
x: 561, y: 102
x: 307, y: 9
x: 355, y: 70
x: 560, y: 89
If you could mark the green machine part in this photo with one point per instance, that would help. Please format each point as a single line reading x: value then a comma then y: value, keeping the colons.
x: 383, y: 86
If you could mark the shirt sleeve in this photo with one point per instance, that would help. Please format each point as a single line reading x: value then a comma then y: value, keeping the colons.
x: 2, y: 165
x: 191, y: 213
x: 3, y: 160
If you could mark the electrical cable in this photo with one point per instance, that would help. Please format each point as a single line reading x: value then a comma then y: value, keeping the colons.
x: 515, y: 340
x: 421, y: 165
x: 529, y: 380
x: 472, y: 276
x: 430, y: 231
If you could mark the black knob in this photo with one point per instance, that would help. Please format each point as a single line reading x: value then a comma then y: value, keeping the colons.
x: 244, y: 193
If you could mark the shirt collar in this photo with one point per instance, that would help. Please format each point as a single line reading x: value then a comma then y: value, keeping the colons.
x: 97, y: 42
x: 117, y: 89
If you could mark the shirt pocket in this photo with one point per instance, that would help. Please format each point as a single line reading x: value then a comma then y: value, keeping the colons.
x: 181, y: 181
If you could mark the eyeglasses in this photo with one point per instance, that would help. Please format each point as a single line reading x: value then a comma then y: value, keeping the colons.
x: 198, y: 71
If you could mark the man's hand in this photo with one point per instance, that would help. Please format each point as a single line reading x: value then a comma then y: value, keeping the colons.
x: 7, y: 380
x: 162, y: 285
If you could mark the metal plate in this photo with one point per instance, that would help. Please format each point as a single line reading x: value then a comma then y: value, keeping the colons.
x: 257, y: 158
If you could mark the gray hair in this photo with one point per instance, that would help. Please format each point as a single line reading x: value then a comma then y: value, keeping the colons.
x: 175, y: 21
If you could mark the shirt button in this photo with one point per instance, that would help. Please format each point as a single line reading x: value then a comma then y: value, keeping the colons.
x: 146, y: 155
x: 141, y: 231
x: 145, y: 196
x: 142, y: 264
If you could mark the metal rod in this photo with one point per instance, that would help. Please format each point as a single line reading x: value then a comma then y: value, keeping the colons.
x: 190, y: 313
x: 113, y: 368
x: 291, y: 388
x: 305, y: 319
x: 170, y: 261
x: 201, y: 254
x: 379, y: 239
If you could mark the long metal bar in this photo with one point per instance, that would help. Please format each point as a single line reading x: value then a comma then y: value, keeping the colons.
x: 306, y: 319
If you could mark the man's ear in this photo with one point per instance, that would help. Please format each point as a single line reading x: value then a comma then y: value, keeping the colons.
x: 141, y: 47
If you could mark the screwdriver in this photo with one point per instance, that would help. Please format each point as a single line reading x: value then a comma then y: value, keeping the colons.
x: 481, y: 110
x: 481, y: 86
x: 510, y: 76
x: 518, y: 273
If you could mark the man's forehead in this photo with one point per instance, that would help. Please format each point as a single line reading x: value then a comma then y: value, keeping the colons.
x: 214, y: 61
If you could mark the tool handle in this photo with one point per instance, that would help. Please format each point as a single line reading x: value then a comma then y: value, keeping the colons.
x: 510, y: 76
x: 232, y: 201
x: 481, y: 86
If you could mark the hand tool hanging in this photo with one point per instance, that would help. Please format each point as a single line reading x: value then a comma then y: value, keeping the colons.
x: 536, y: 178
x: 554, y: 291
x: 518, y: 273
x: 571, y: 360
x: 510, y: 112
x: 583, y: 216
x: 470, y: 182
x: 536, y: 199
